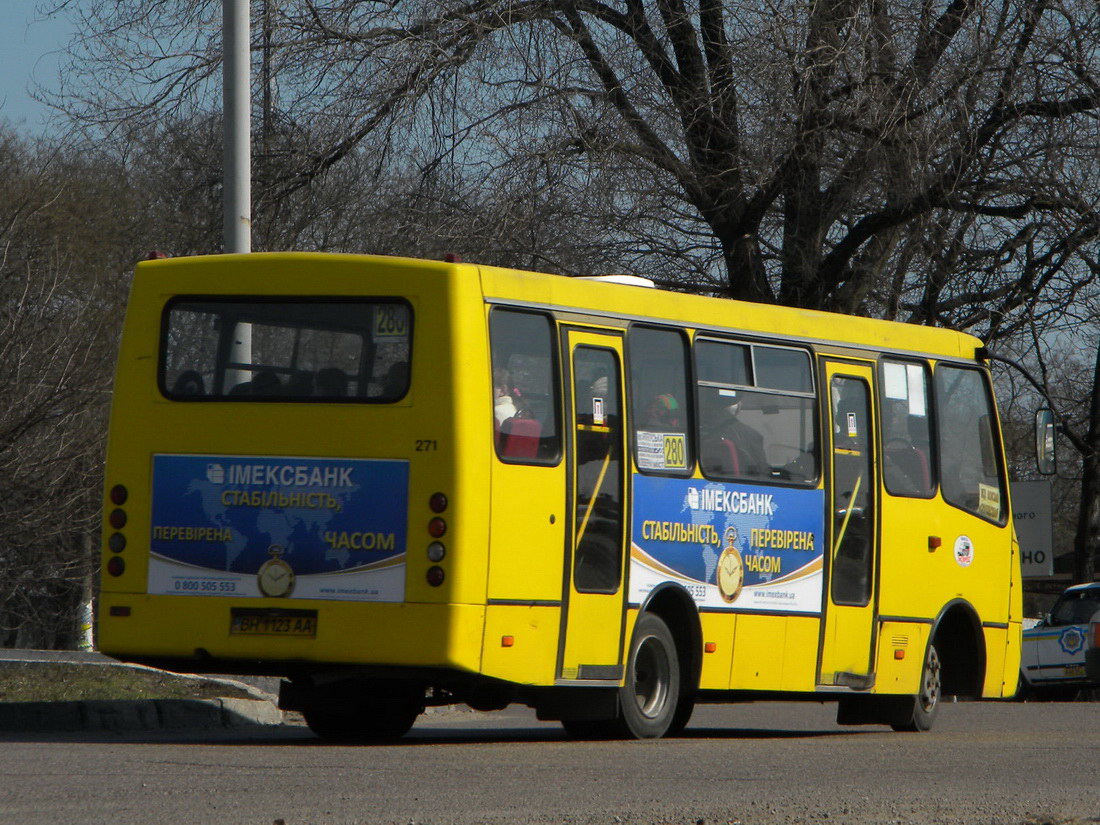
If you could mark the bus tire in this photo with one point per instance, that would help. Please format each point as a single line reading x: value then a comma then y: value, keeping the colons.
x: 927, y: 701
x: 684, y: 709
x: 650, y: 695
x: 353, y: 712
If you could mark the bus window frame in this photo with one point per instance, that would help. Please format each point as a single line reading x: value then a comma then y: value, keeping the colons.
x: 556, y: 388
x: 813, y: 396
x: 996, y: 434
x: 933, y: 422
x: 221, y: 356
x: 690, y: 429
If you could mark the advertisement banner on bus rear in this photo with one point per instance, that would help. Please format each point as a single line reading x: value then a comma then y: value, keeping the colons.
x: 732, y: 546
x: 300, y: 528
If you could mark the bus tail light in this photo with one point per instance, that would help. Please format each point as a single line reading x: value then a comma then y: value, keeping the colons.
x: 435, y: 575
x: 119, y: 494
x: 117, y: 518
x: 116, y: 566
x: 117, y: 542
x: 438, y: 502
x: 437, y: 527
x: 436, y: 551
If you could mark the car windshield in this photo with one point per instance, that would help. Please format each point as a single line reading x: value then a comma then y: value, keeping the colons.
x: 1076, y: 607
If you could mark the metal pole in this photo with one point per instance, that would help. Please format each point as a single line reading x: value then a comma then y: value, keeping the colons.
x: 237, y: 171
x: 237, y: 167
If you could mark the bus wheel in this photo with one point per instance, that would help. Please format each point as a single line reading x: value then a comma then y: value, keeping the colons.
x: 927, y: 702
x: 651, y: 693
x: 354, y: 712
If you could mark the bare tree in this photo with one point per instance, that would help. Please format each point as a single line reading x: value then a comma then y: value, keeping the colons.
x: 847, y: 154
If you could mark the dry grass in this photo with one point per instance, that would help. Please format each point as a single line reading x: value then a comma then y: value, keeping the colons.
x: 34, y: 682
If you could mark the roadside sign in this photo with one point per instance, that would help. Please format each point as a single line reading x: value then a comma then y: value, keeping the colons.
x: 1031, y: 511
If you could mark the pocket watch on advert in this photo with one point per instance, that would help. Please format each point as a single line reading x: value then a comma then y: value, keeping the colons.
x: 275, y: 577
x: 730, y: 575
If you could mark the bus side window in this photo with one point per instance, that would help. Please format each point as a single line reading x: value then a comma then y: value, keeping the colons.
x: 907, y: 466
x: 524, y: 387
x: 757, y: 419
x: 659, y: 400
x: 970, y: 473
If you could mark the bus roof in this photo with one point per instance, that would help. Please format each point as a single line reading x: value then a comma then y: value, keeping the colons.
x: 722, y: 314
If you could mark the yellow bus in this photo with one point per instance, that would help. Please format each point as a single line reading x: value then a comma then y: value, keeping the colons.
x: 399, y: 483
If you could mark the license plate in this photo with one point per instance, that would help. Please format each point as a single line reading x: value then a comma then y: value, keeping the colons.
x: 248, y: 622
x: 1075, y: 671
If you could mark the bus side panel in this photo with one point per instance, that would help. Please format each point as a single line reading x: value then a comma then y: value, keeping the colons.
x: 755, y: 663
x: 800, y: 652
x: 909, y: 640
x: 718, y: 629
x: 1002, y: 661
x: 527, y: 540
x: 973, y: 557
x: 521, y: 643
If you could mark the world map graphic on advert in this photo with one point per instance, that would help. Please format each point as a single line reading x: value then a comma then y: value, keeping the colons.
x: 231, y: 514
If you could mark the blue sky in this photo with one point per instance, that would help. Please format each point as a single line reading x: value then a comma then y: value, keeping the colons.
x: 28, y: 47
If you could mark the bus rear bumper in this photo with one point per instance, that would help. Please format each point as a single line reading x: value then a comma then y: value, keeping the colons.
x: 207, y: 635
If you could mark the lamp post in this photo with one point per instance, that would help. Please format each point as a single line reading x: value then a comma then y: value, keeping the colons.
x: 237, y: 169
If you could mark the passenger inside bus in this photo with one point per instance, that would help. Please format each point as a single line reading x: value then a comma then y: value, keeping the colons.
x: 730, y: 446
x: 663, y: 414
x: 266, y: 382
x: 503, y: 405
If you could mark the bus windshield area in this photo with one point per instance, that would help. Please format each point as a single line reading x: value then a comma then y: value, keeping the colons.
x: 301, y: 350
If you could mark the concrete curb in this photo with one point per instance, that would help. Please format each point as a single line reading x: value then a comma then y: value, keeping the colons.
x: 134, y: 714
x: 138, y: 715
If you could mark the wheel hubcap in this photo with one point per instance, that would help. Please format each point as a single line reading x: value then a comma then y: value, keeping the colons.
x: 930, y: 686
x: 651, y: 677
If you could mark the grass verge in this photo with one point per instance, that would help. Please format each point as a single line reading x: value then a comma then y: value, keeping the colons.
x: 48, y: 682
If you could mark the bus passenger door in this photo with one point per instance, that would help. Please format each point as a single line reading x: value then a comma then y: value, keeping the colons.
x: 591, y: 646
x: 847, y: 644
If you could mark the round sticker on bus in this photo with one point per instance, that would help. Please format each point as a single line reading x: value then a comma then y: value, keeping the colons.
x: 964, y: 551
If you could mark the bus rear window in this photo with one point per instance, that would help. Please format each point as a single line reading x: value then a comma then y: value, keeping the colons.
x: 304, y: 350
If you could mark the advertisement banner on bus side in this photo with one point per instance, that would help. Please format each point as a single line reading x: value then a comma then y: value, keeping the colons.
x: 302, y: 528
x: 732, y: 546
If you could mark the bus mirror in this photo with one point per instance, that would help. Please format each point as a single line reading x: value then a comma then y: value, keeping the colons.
x: 1044, y: 442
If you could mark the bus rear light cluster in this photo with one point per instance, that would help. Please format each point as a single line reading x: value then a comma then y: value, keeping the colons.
x: 117, y: 519
x: 437, y: 528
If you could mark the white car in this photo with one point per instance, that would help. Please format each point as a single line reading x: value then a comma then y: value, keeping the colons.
x: 1053, y: 662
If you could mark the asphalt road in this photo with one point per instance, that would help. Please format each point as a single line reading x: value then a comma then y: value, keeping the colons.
x: 761, y: 763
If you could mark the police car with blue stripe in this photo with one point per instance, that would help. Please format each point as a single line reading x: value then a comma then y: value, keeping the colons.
x: 1053, y: 662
